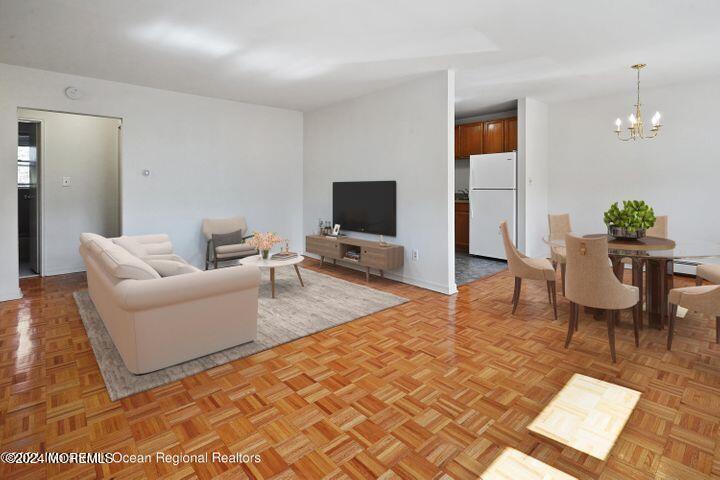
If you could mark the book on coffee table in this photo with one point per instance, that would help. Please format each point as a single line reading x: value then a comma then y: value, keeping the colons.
x: 283, y: 255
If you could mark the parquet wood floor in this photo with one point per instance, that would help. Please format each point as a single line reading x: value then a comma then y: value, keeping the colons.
x: 434, y: 388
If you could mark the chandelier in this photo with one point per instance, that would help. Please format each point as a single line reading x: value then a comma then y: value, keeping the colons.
x: 636, y: 130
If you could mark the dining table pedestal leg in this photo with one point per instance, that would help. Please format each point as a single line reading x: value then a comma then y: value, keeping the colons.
x: 618, y: 268
x: 638, y: 265
x: 659, y: 283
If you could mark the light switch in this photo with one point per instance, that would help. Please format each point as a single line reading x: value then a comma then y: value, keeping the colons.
x: 65, y: 181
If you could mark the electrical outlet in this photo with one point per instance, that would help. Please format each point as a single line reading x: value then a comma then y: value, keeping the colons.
x: 66, y: 181
x: 415, y: 255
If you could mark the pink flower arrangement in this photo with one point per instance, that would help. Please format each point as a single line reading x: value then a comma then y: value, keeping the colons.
x: 264, y: 241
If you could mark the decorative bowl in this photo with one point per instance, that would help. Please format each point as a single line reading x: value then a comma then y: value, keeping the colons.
x: 623, y: 233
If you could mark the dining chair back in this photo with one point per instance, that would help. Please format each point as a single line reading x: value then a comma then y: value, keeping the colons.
x: 591, y: 283
x: 559, y: 226
x: 660, y: 229
x: 522, y: 267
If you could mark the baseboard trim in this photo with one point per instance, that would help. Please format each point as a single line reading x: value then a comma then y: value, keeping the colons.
x: 418, y: 282
x: 62, y: 271
x: 11, y: 295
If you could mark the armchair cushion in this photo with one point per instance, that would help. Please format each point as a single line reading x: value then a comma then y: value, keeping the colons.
x: 238, y: 248
x: 170, y: 268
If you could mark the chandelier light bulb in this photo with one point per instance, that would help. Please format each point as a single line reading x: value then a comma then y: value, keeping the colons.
x: 632, y: 119
x: 656, y: 119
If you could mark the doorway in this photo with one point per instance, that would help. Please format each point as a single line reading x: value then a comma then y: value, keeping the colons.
x: 68, y: 183
x: 28, y: 178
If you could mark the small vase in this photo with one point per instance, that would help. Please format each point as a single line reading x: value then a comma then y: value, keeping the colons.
x: 265, y: 254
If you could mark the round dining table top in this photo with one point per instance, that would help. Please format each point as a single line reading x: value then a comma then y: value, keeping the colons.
x: 653, y: 247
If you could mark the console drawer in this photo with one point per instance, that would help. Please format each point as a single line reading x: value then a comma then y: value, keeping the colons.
x: 324, y: 248
x: 373, y: 258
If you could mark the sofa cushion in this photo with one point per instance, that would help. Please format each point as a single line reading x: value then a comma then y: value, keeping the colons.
x: 160, y: 248
x: 170, y: 268
x: 132, y: 246
x: 122, y: 264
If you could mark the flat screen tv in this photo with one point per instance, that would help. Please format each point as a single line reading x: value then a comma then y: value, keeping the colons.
x: 365, y: 206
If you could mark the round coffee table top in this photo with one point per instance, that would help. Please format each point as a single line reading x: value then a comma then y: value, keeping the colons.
x: 258, y: 261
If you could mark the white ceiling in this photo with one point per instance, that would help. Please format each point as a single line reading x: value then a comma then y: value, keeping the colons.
x: 304, y: 54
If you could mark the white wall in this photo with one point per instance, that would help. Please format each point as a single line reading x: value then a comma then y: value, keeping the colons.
x: 84, y: 148
x: 404, y: 133
x: 208, y: 157
x: 462, y: 174
x: 677, y: 172
x: 533, y: 182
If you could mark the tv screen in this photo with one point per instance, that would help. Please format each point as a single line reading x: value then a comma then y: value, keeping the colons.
x: 365, y: 206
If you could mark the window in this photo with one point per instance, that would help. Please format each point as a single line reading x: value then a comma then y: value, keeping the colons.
x: 23, y: 179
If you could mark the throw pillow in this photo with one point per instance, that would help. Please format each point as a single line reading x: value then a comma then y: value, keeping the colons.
x: 170, y: 268
x: 123, y: 264
x: 232, y: 238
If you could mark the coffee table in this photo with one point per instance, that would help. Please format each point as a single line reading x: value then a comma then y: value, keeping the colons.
x: 260, y: 262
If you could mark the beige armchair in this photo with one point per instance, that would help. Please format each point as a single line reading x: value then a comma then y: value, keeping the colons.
x: 704, y: 299
x: 590, y: 283
x: 709, y: 272
x: 226, y: 240
x: 522, y: 267
x: 559, y: 226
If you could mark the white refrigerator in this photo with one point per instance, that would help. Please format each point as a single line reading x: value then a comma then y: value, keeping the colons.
x: 493, y: 198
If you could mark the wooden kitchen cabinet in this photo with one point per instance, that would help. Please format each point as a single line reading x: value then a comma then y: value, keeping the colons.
x: 493, y: 136
x: 510, y: 134
x: 462, y: 226
x: 470, y: 139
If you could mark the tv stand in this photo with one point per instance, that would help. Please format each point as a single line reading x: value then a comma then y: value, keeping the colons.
x: 356, y: 251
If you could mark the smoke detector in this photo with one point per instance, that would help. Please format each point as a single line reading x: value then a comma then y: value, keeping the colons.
x: 73, y: 93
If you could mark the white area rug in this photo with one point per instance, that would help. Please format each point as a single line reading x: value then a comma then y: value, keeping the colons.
x: 296, y: 312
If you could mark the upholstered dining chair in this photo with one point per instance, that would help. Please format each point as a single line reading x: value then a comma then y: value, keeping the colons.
x: 590, y: 283
x: 524, y: 268
x: 709, y: 272
x: 705, y: 299
x: 660, y: 229
x: 226, y: 240
x: 559, y: 226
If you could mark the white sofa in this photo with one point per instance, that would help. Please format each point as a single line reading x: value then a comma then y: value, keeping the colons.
x: 159, y: 321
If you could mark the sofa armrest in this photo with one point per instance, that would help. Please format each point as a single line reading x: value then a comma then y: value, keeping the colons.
x: 134, y: 295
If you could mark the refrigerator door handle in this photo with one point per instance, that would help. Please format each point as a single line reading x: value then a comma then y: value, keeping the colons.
x: 471, y: 211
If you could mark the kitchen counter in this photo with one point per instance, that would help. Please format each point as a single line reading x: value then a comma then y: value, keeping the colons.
x: 462, y: 201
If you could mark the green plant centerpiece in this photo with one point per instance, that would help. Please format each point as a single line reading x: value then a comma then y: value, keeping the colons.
x: 631, y: 221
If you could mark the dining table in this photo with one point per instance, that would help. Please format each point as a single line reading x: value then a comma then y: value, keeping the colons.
x: 653, y: 262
